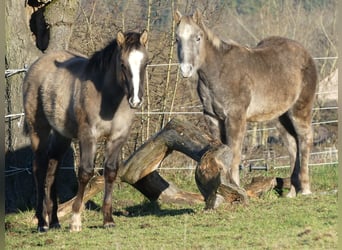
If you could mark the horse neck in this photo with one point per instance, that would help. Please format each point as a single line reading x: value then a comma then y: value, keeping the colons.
x: 112, y: 88
x: 212, y: 56
x: 112, y: 76
x: 112, y: 95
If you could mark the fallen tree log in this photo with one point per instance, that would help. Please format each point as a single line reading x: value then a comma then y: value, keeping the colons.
x: 96, y: 185
x: 212, y: 174
x: 140, y: 170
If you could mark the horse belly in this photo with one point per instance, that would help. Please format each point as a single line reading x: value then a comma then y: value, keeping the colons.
x: 265, y: 110
x: 262, y: 115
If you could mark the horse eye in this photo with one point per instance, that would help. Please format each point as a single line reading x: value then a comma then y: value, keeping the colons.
x: 198, y: 38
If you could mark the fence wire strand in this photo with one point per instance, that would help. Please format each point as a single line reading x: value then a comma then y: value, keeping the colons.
x: 16, y: 170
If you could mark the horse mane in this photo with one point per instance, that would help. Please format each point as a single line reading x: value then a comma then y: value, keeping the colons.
x: 101, y: 59
x: 217, y: 42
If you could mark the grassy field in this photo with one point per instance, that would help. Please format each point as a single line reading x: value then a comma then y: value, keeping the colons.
x: 271, y: 222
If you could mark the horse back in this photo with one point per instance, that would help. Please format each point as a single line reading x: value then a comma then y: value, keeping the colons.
x: 290, y: 71
x: 292, y: 65
x: 269, y: 78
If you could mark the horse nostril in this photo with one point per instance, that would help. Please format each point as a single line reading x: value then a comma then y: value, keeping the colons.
x: 186, y: 69
x: 135, y: 103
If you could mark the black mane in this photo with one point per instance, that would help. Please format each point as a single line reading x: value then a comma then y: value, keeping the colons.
x: 100, y: 60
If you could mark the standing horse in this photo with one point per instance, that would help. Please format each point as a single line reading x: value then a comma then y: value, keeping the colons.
x: 69, y: 96
x: 236, y: 84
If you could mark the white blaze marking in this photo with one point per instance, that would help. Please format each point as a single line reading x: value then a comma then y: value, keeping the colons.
x: 186, y: 32
x: 134, y: 60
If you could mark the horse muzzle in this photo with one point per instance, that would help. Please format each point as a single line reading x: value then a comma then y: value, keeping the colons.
x: 186, y: 69
x: 135, y: 103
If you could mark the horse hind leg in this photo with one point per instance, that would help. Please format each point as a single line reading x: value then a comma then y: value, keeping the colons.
x: 302, y: 122
x: 39, y: 143
x: 288, y: 134
x: 57, y: 148
x: 302, y: 118
x: 299, y: 148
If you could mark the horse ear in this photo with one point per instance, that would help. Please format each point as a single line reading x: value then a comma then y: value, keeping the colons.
x: 120, y: 38
x: 143, y: 37
x: 197, y: 16
x: 177, y: 16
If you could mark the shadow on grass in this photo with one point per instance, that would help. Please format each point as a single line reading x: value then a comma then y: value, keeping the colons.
x: 152, y: 208
x: 143, y: 209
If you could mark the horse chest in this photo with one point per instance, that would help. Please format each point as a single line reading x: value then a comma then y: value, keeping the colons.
x: 212, y: 103
x: 114, y: 128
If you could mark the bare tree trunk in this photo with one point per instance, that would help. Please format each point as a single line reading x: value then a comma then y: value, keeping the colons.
x: 60, y: 16
x: 30, y: 30
x: 21, y: 51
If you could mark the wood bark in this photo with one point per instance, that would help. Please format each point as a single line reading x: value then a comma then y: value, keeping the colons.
x: 140, y: 169
x: 212, y: 174
x: 21, y: 51
x: 60, y: 16
x: 31, y: 28
x: 214, y: 180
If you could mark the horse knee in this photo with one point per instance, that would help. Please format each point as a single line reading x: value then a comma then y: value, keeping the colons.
x: 84, y: 175
x: 110, y: 174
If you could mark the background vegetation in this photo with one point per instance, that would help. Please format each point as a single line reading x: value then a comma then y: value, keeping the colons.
x: 312, y: 23
x: 89, y: 25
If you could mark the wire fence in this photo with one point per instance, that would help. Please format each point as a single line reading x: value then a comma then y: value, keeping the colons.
x: 329, y: 156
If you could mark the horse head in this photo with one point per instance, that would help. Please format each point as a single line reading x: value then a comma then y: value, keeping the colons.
x: 190, y: 38
x: 133, y: 61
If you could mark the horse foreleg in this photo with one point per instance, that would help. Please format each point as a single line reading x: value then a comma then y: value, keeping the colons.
x: 110, y: 172
x: 215, y: 127
x: 85, y: 172
x: 235, y: 128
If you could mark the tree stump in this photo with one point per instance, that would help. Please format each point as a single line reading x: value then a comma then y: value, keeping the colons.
x: 214, y: 181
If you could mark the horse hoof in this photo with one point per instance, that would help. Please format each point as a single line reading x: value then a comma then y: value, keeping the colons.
x: 55, y: 226
x: 109, y: 225
x: 291, y: 195
x: 306, y: 192
x: 75, y: 228
x: 42, y: 229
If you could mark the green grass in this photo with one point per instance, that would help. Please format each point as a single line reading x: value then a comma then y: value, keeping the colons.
x: 304, y: 222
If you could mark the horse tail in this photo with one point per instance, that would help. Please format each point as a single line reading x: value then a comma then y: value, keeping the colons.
x: 310, y: 74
